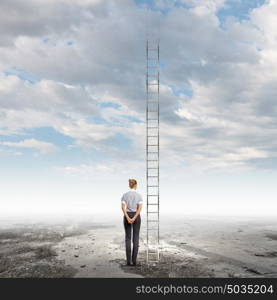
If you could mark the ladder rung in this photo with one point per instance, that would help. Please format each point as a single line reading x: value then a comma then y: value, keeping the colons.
x: 152, y: 136
x: 152, y: 185
x: 152, y: 212
x: 153, y: 221
x: 152, y: 203
x: 152, y: 160
x: 152, y: 144
x: 152, y: 176
x: 152, y: 168
x: 152, y: 83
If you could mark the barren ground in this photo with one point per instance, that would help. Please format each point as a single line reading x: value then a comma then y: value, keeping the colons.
x: 91, y: 247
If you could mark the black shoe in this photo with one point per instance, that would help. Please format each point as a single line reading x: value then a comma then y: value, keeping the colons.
x: 134, y: 263
x: 128, y: 264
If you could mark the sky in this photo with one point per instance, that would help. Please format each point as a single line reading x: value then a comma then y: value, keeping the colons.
x: 72, y: 104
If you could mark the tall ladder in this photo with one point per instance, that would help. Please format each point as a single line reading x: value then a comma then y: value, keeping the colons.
x: 152, y: 149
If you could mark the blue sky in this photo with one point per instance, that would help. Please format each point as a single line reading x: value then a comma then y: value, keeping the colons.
x: 72, y: 103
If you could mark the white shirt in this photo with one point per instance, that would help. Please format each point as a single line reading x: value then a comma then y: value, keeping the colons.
x: 131, y: 198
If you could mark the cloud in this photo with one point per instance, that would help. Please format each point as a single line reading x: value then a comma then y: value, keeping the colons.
x: 217, y: 82
x: 36, y: 18
x: 46, y: 95
x: 41, y: 146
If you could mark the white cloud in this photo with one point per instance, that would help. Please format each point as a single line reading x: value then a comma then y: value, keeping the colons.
x: 41, y: 146
x: 232, y: 106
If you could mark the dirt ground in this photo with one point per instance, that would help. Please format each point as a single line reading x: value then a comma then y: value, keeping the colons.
x: 90, y: 247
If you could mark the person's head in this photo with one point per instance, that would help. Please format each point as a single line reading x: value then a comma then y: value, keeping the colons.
x: 132, y: 183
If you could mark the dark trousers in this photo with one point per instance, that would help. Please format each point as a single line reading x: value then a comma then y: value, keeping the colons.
x: 129, y: 228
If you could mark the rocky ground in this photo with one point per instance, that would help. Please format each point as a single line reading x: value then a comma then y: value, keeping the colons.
x: 191, y: 247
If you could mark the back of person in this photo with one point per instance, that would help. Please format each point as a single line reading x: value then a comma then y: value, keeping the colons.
x: 131, y: 205
x: 131, y: 198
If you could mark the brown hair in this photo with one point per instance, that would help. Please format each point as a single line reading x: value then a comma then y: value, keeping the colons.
x: 132, y: 183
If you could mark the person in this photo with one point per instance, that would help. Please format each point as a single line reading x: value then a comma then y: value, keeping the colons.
x: 131, y: 205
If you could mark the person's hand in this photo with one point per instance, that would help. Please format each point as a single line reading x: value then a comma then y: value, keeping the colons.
x: 129, y: 220
x: 133, y: 220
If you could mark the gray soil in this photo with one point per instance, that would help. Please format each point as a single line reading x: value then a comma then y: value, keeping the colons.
x: 90, y: 247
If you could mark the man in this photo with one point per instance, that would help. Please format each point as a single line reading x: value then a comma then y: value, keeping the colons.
x: 131, y: 205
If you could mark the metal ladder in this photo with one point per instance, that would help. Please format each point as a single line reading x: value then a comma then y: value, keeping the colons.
x: 152, y: 149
